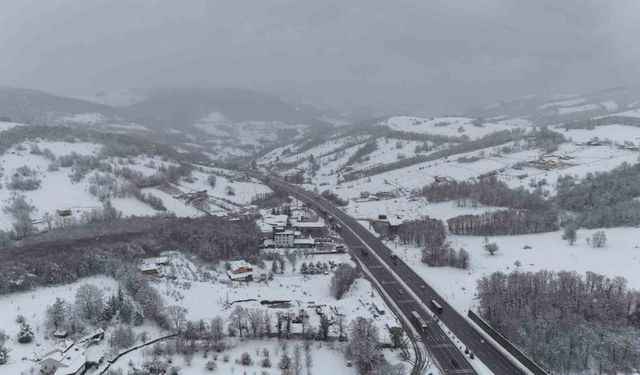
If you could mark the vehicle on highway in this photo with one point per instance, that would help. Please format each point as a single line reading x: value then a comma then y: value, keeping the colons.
x: 436, y: 306
x: 400, y: 291
x: 455, y: 363
x: 420, y: 322
x: 364, y: 252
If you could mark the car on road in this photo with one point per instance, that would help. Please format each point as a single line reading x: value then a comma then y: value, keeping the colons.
x: 394, y: 258
x: 455, y: 363
x: 400, y: 291
x: 364, y: 252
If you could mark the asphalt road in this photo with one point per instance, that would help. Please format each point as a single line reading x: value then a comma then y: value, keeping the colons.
x: 438, y: 343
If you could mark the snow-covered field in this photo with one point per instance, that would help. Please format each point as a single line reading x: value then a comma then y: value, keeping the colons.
x: 615, y: 133
x: 447, y: 126
x: 408, y: 208
x: 58, y: 192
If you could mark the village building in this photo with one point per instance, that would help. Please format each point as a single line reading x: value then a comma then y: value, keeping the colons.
x: 304, y: 243
x: 66, y: 358
x: 310, y: 228
x: 151, y: 266
x: 240, y: 270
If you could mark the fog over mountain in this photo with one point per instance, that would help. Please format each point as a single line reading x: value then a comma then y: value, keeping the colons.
x: 367, y: 56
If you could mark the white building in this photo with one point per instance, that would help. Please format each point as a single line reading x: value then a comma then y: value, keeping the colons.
x: 66, y: 358
x: 240, y: 270
x: 284, y: 238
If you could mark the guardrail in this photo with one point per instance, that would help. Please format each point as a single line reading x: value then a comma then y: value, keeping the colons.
x: 506, y: 345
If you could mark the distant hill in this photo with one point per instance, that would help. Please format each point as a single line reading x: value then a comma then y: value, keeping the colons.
x: 185, y: 107
x: 38, y: 107
x: 555, y: 109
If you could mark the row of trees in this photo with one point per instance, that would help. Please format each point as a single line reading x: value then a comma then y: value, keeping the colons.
x: 488, y: 191
x: 446, y: 256
x: 427, y: 232
x: 568, y: 322
x: 506, y: 222
x: 430, y: 234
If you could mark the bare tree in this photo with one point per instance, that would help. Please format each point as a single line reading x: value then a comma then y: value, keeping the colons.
x: 177, y: 316
x: 89, y: 302
x: 297, y: 360
x: 217, y: 329
x: 308, y: 359
x: 363, y: 345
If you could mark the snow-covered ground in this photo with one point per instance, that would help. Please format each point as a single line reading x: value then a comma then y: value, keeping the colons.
x: 32, y: 305
x: 621, y: 257
x: 304, y: 291
x: 327, y: 358
x: 576, y: 109
x: 8, y: 125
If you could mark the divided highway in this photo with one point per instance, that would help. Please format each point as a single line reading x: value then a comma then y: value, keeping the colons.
x: 440, y: 346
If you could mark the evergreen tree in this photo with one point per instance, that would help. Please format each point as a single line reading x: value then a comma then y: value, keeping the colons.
x: 26, y: 334
x: 569, y: 234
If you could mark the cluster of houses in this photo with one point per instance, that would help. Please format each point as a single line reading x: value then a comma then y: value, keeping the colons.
x: 291, y: 231
x: 550, y: 162
x: 68, y: 357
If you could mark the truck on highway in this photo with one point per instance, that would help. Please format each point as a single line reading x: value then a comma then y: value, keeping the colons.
x: 436, y: 306
x: 419, y: 321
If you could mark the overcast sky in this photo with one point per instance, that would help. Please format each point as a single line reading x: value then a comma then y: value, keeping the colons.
x: 414, y: 54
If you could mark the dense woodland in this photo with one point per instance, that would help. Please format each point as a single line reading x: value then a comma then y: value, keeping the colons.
x: 65, y: 255
x: 565, y: 321
x: 602, y: 199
